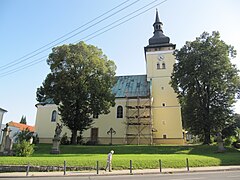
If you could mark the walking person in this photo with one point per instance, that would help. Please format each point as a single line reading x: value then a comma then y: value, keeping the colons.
x: 109, y: 161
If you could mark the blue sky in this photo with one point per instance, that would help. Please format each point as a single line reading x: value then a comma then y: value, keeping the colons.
x: 28, y: 25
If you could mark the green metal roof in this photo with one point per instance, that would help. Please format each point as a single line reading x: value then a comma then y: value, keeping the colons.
x: 126, y: 86
x: 131, y: 86
x: 47, y: 101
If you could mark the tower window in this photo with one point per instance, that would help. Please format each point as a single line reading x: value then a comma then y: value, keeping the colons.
x: 54, y: 116
x: 163, y: 66
x: 164, y: 136
x: 158, y: 66
x: 119, y: 112
x: 163, y: 104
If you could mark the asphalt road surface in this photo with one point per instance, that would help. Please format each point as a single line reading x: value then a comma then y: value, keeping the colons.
x: 220, y: 175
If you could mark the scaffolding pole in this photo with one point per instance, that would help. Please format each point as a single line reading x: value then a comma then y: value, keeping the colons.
x: 139, y: 123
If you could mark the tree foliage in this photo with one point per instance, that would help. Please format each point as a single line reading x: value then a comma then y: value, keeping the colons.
x: 25, y: 134
x: 80, y: 82
x: 23, y: 120
x: 206, y: 83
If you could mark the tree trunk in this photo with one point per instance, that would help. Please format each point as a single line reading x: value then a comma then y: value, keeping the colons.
x: 74, y: 137
x: 206, y: 136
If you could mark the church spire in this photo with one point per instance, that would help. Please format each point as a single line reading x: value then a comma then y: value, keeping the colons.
x: 157, y: 25
x: 157, y: 17
x: 158, y: 37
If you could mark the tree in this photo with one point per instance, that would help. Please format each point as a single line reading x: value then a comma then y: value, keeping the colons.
x: 25, y: 134
x: 80, y: 82
x: 206, y: 83
x: 237, y: 125
x: 23, y: 120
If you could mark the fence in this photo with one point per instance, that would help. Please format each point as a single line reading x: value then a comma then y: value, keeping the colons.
x: 64, y: 168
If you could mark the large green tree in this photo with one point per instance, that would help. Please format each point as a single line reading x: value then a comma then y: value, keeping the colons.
x: 80, y: 82
x: 206, y: 83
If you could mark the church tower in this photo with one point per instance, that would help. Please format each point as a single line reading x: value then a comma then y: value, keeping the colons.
x: 166, y: 111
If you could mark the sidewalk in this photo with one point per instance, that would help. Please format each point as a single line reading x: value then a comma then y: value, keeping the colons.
x: 121, y: 172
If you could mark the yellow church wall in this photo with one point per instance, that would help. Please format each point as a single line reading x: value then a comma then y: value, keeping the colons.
x: 166, y: 122
x: 44, y: 127
x: 153, y: 60
x: 166, y: 109
x: 105, y: 122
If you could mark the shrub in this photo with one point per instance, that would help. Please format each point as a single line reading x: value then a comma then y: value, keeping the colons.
x: 36, y: 139
x: 229, y: 140
x: 24, y: 148
x: 92, y: 142
x: 64, y: 139
x: 80, y: 140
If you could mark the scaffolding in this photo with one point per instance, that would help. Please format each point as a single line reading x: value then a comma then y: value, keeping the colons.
x: 139, y: 125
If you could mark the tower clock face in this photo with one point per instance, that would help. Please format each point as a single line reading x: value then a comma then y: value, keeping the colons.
x: 160, y: 57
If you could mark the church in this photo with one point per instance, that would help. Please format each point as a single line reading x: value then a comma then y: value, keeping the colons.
x: 147, y: 110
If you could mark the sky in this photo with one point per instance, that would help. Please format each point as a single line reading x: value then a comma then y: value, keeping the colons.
x: 29, y: 29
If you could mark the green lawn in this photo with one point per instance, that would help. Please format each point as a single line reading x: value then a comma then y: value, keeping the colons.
x: 141, y: 156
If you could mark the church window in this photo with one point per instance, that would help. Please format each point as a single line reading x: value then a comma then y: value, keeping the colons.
x: 119, y: 112
x: 158, y: 66
x: 164, y: 136
x: 163, y: 66
x: 54, y: 116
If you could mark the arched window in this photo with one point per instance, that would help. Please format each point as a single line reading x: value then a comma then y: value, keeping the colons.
x: 158, y: 66
x: 54, y: 116
x: 163, y: 66
x: 119, y: 112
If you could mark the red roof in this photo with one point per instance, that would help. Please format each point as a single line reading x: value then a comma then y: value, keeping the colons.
x: 21, y: 127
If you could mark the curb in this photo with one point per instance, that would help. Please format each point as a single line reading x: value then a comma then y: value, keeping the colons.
x: 118, y: 173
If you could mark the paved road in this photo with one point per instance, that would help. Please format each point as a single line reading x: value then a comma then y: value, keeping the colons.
x: 222, y: 175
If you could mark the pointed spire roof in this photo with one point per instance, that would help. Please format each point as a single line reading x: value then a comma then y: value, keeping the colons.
x: 157, y: 17
x: 158, y: 37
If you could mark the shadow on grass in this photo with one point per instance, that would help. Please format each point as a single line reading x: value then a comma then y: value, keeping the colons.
x: 134, y: 149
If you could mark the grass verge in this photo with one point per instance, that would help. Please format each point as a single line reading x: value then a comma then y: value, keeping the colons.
x: 143, y: 157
